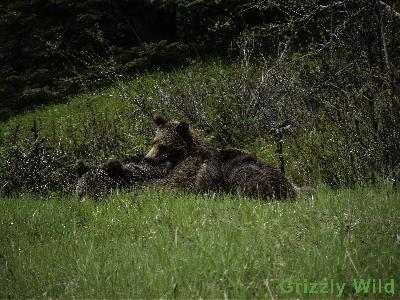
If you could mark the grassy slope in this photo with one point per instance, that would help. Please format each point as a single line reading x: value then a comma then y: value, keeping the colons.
x: 160, y: 244
x: 112, y: 108
x: 109, y: 102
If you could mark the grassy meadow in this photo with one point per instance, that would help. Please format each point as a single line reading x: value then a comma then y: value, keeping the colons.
x: 164, y: 244
x: 160, y: 244
x: 310, y: 87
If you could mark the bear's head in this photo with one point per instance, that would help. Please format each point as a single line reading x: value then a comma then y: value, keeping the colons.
x: 112, y: 168
x: 173, y: 142
x: 95, y: 183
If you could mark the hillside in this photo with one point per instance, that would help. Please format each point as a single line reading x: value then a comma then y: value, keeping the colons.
x: 311, y: 88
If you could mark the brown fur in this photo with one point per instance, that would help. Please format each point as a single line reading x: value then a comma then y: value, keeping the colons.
x: 125, y: 172
x: 193, y: 174
x: 95, y: 183
x: 175, y: 141
x: 246, y: 173
x: 196, y: 166
x: 191, y: 158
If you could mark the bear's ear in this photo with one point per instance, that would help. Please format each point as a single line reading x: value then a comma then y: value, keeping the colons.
x: 159, y: 121
x: 81, y: 168
x: 182, y: 128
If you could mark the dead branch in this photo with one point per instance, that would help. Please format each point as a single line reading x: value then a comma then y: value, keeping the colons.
x: 388, y: 9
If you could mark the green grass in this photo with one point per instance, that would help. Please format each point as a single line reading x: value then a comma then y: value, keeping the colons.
x: 159, y: 244
x: 113, y: 103
x: 110, y: 114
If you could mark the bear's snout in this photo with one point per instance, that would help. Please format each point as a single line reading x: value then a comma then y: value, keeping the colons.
x: 152, y: 155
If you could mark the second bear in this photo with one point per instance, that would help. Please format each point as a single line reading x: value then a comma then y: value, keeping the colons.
x: 124, y: 172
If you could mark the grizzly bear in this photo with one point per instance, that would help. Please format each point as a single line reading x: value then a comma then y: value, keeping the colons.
x: 118, y: 173
x: 191, y: 160
x: 95, y: 183
x: 196, y: 166
x: 248, y: 174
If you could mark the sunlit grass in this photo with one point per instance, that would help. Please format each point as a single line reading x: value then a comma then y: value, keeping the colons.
x: 158, y: 244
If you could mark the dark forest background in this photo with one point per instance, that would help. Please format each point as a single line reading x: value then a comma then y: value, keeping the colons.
x: 46, y: 46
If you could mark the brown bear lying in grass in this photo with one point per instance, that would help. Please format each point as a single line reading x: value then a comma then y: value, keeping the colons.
x: 197, y: 166
x: 248, y: 174
x: 125, y: 172
x: 180, y: 158
x: 192, y: 162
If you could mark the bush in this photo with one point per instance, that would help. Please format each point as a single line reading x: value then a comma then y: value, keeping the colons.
x: 329, y: 113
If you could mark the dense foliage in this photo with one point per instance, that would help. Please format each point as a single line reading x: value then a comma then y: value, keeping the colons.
x: 316, y: 92
x: 47, y: 47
